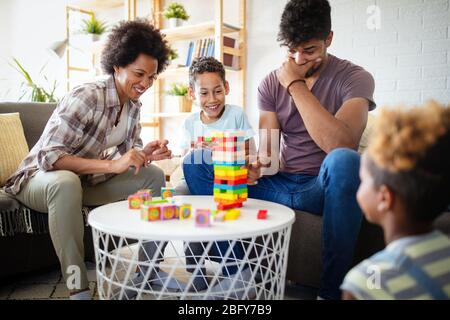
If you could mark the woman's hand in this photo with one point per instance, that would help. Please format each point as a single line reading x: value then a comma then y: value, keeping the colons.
x: 132, y: 158
x: 157, y: 150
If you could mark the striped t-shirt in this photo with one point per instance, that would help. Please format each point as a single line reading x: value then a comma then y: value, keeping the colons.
x: 416, y: 267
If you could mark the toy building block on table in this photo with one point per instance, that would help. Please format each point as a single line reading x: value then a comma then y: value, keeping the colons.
x: 230, y: 180
x: 262, y: 215
x: 163, y: 210
x: 167, y: 193
x: 202, y: 218
x: 185, y: 211
x: 139, y: 198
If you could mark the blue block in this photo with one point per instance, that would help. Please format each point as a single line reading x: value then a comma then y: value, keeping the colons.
x: 226, y: 187
x: 234, y: 163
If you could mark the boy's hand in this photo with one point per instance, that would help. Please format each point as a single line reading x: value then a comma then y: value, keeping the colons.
x: 204, y: 145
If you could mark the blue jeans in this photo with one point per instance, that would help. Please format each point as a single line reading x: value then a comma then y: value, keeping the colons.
x: 331, y: 194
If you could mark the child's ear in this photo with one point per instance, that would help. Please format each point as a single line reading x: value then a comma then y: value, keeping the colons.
x: 385, y: 199
x: 191, y: 93
x: 227, y: 88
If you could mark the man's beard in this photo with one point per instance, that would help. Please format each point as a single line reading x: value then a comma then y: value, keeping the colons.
x: 312, y: 71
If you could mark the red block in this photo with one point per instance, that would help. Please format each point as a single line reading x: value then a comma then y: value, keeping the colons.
x: 222, y: 206
x: 262, y: 215
x: 230, y: 182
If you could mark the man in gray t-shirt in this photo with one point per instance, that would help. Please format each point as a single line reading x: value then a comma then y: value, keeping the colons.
x: 319, y: 103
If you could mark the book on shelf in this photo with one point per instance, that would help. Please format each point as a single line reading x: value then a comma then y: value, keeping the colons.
x: 206, y: 48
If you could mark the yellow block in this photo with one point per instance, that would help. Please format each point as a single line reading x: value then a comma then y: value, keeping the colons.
x: 229, y: 173
x: 232, y: 214
x: 225, y: 196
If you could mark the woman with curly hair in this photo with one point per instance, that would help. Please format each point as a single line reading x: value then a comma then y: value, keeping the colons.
x: 405, y: 186
x: 90, y: 152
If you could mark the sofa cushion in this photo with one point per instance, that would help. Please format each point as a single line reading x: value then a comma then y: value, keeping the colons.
x: 7, y: 202
x: 34, y: 117
x: 13, y: 146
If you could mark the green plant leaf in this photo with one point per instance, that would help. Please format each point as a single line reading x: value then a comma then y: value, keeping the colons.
x: 37, y: 93
x: 177, y: 89
x: 93, y: 26
x: 176, y: 10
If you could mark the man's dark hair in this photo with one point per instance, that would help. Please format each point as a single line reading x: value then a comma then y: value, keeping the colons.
x: 131, y: 38
x: 304, y: 20
x: 203, y: 65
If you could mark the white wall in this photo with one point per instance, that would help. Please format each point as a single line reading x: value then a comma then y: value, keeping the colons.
x: 5, y: 40
x: 28, y: 29
x: 409, y: 56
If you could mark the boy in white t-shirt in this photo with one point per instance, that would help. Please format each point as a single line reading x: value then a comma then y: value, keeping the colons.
x: 208, y: 87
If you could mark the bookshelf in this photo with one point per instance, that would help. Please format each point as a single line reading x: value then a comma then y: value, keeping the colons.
x: 215, y: 29
x: 76, y: 10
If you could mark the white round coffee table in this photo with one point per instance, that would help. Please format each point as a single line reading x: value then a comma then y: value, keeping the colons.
x: 261, y: 271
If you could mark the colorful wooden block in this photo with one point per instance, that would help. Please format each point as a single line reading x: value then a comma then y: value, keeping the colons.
x: 202, y: 218
x: 168, y: 212
x: 233, y: 214
x: 237, y: 134
x: 219, y: 216
x: 150, y: 213
x: 222, y: 206
x: 135, y: 202
x: 145, y: 194
x: 185, y: 211
x: 155, y: 202
x: 262, y: 215
x: 167, y: 193
x: 144, y: 212
x: 233, y: 174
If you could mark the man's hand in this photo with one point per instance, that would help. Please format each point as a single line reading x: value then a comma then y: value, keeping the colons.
x: 291, y: 71
x: 132, y: 158
x: 157, y: 150
x: 254, y: 173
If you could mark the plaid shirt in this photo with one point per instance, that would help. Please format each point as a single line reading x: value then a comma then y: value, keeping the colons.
x: 79, y: 126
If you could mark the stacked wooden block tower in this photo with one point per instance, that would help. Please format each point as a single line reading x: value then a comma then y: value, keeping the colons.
x: 230, y: 180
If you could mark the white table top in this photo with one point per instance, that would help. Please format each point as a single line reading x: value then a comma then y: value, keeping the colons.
x: 118, y: 220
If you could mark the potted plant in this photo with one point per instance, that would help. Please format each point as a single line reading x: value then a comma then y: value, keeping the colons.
x: 181, y: 91
x: 173, y: 54
x: 36, y: 92
x: 94, y: 27
x: 176, y: 13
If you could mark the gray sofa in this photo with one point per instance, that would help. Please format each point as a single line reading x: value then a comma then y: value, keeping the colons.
x: 26, y: 245
x: 25, y: 252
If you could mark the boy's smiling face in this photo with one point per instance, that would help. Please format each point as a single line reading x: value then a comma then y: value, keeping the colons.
x: 210, y: 91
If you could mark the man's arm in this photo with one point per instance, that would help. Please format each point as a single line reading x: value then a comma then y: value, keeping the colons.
x: 268, y: 121
x: 330, y: 132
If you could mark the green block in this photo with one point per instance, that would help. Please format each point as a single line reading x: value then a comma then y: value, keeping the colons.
x: 239, y: 191
x: 225, y: 168
x: 149, y: 203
